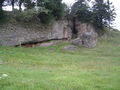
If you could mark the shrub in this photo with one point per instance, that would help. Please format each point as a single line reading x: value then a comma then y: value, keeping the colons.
x: 1, y: 14
x: 45, y: 18
x: 26, y: 16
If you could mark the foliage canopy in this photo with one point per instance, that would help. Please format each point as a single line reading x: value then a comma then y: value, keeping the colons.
x: 101, y: 13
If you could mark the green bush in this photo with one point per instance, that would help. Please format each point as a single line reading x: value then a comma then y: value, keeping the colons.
x: 26, y: 16
x: 45, y: 18
x: 3, y: 17
x: 1, y: 14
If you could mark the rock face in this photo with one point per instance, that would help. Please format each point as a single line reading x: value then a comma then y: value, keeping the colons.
x: 89, y: 39
x: 13, y: 34
x: 16, y: 34
x: 87, y: 36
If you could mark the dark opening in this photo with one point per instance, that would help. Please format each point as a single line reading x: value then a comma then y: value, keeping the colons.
x: 74, y: 31
x: 34, y: 44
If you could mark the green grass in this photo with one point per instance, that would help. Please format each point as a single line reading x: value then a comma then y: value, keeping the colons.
x: 52, y: 68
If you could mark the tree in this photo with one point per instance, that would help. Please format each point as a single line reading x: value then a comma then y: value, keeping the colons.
x: 58, y: 10
x: 52, y: 9
x: 55, y: 7
x: 111, y: 13
x: 13, y: 2
x: 103, y: 13
x: 1, y: 11
x: 80, y: 10
x: 29, y: 4
x: 1, y: 4
x: 20, y: 2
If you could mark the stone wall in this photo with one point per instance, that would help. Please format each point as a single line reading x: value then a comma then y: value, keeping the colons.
x: 16, y: 34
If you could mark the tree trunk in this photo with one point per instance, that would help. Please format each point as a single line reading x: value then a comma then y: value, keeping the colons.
x: 74, y: 31
x: 13, y: 1
x: 1, y: 4
x: 20, y: 6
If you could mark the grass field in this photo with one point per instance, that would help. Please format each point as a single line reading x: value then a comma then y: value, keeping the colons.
x: 52, y: 68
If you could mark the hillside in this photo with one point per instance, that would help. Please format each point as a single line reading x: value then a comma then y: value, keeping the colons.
x: 52, y: 68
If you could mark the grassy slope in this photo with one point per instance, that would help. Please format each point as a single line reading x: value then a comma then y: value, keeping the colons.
x: 52, y: 68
